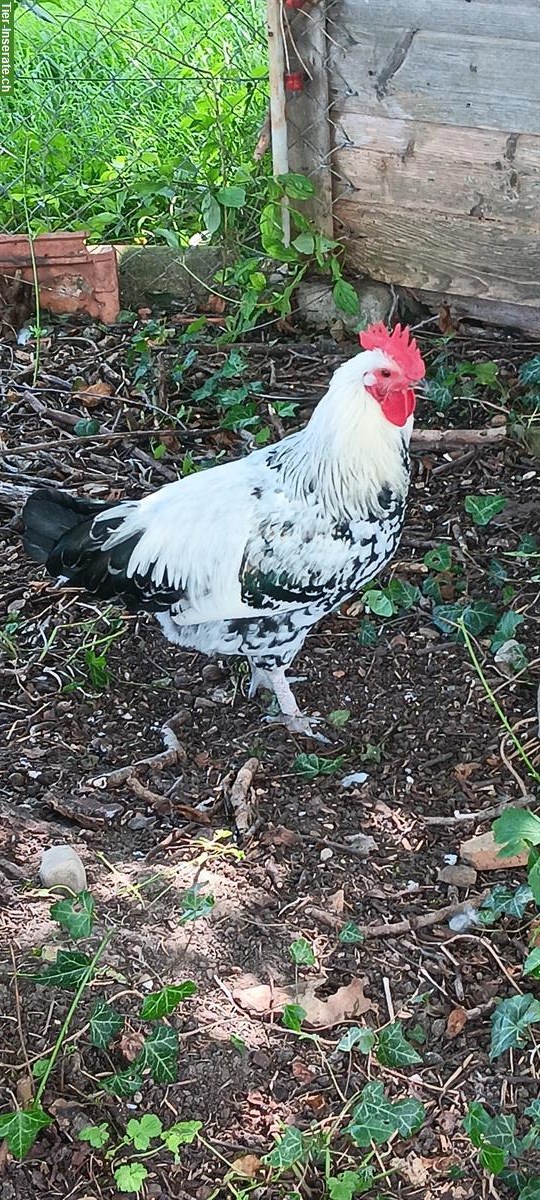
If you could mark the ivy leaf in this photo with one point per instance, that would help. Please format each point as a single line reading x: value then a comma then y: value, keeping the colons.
x: 297, y: 187
x: 301, y: 953
x: 393, y: 1049
x: 482, y: 509
x: 40, y: 1067
x: 67, y: 972
x: 377, y: 602
x: 130, y: 1177
x: 345, y: 298
x: 96, y: 1135
x: 517, y: 825
x: 350, y: 1183
x: 86, y: 427
x: 368, y: 633
x: 401, y: 594
x: 350, y: 934
x: 160, y: 1054
x: 492, y: 1159
x: 375, y: 1118
x: 533, y: 1111
x: 104, y: 1024
x: 476, y: 1123
x: 142, y: 1132
x: 162, y: 1003
x: 123, y: 1083
x: 211, y: 213
x: 531, y: 1191
x: 408, y: 1116
x: 476, y: 616
x: 531, y: 966
x: 293, y: 1015
x: 511, y: 1021
x: 339, y: 717
x: 529, y: 372
x: 75, y: 915
x: 195, y: 905
x: 439, y: 559
x: 311, y: 765
x: 289, y: 1150
x: 505, y: 629
x: 21, y: 1128
x: 534, y: 881
x: 359, y: 1036
x: 505, y: 901
x: 181, y: 1134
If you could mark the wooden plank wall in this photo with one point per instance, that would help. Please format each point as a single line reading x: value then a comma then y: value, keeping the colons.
x: 434, y: 115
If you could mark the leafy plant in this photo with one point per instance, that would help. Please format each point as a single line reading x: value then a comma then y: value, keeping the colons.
x: 483, y: 508
x: 376, y: 1118
x: 195, y: 904
x: 393, y: 1049
x: 309, y: 766
x: 301, y: 952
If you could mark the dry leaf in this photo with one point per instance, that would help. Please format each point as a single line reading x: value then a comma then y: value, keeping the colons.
x: 261, y: 999
x: 456, y: 1022
x: 93, y: 393
x: 316, y: 1102
x: 415, y: 1169
x: 464, y: 770
x: 25, y: 1091
x: 279, y: 835
x: 301, y: 1072
x: 336, y: 902
x: 248, y: 1165
x: 130, y: 1045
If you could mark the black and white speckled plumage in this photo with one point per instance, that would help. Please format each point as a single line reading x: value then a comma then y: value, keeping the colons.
x: 247, y: 557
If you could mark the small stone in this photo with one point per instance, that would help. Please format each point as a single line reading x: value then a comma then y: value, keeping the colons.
x: 459, y: 876
x: 203, y: 702
x: 61, y: 867
x: 482, y: 852
x: 211, y: 673
x: 464, y: 920
x: 362, y: 843
x: 140, y: 822
x: 326, y: 854
x: 355, y: 779
x: 450, y: 860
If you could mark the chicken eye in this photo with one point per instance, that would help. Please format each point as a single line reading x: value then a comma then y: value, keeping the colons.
x: 385, y: 373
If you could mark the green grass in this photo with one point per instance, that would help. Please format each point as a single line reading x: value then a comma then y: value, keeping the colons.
x: 131, y: 112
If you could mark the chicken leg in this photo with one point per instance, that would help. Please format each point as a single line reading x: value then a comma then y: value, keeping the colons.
x: 274, y: 679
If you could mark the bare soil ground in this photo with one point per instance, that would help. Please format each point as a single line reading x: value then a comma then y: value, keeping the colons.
x: 420, y: 726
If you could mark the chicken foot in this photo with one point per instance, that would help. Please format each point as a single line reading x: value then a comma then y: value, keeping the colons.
x: 274, y: 679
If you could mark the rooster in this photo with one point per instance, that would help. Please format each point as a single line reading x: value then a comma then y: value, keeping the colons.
x: 247, y: 557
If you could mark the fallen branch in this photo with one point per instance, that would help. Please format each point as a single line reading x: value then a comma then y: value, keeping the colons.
x: 174, y: 752
x: 483, y: 814
x: 425, y: 920
x: 446, y: 439
x: 238, y: 796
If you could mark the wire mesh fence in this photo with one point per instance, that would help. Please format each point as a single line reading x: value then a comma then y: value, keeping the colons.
x: 124, y: 116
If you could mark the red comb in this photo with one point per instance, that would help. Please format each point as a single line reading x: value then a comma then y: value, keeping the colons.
x: 399, y: 345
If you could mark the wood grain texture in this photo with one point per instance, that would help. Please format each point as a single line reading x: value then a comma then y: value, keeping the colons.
x: 464, y: 18
x: 489, y: 312
x: 440, y: 77
x: 418, y: 165
x: 458, y: 255
x: 309, y: 129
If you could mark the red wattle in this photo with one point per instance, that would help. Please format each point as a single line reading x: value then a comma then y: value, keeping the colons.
x: 399, y: 406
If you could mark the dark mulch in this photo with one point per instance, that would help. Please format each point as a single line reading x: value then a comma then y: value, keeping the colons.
x: 413, y: 696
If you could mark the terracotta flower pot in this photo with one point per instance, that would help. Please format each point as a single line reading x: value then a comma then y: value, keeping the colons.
x: 72, y: 277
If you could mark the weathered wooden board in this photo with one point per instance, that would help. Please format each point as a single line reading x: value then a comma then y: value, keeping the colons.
x: 482, y: 173
x: 458, y: 255
x: 308, y: 124
x: 440, y: 77
x: 465, y: 18
x: 490, y: 312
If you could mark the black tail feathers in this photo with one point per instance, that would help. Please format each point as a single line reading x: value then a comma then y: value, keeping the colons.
x: 48, y: 515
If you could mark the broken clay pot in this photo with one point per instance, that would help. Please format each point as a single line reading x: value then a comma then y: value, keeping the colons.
x: 72, y: 277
